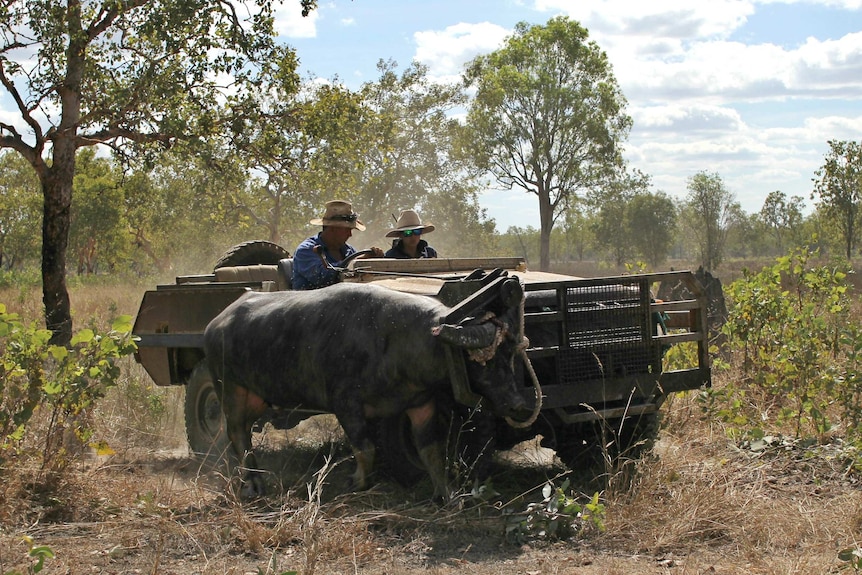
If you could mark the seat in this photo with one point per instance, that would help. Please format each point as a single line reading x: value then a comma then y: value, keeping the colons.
x: 268, y: 275
x: 285, y: 273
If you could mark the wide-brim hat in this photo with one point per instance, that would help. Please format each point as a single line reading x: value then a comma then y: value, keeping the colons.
x: 339, y: 214
x: 409, y: 220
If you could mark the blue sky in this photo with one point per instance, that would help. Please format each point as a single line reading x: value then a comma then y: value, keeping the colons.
x: 749, y: 89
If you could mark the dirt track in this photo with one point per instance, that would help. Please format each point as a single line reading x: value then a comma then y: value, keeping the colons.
x: 701, y: 505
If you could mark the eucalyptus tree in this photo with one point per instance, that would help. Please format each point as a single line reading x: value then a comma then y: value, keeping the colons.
x: 20, y: 212
x: 464, y: 230
x: 548, y: 117
x: 125, y: 74
x: 411, y: 154
x: 520, y: 242
x: 301, y: 148
x: 178, y: 213
x: 651, y: 222
x: 839, y: 186
x: 612, y: 232
x: 578, y: 230
x: 711, y: 210
x: 98, y: 231
x: 782, y: 217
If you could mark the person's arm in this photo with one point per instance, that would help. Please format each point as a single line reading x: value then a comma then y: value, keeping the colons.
x: 309, y: 272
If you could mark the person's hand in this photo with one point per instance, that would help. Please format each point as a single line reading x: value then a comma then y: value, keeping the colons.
x: 375, y: 253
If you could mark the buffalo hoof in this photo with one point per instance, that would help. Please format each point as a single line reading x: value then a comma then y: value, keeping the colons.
x: 441, y: 500
x: 355, y: 484
x: 252, y: 488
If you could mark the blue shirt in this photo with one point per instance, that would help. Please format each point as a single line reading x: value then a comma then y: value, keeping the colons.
x: 309, y: 272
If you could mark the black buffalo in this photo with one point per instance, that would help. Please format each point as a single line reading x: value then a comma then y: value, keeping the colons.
x: 359, y: 351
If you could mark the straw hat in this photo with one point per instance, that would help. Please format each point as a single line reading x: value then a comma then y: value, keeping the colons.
x: 409, y: 220
x: 339, y: 214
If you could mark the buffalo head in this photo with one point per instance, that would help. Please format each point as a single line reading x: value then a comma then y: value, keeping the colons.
x: 491, y: 342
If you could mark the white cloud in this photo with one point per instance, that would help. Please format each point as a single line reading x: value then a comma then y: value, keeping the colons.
x: 724, y: 71
x: 446, y: 51
x: 834, y: 127
x: 701, y: 97
x: 698, y: 118
x: 843, y: 4
x: 678, y: 49
x: 290, y: 23
x: 657, y: 18
x: 752, y: 160
x: 830, y: 66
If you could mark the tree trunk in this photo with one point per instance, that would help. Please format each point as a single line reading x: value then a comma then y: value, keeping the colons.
x: 546, y: 224
x: 57, y: 195
x: 57, y: 182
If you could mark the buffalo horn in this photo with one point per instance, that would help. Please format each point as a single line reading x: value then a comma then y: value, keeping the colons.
x: 468, y: 336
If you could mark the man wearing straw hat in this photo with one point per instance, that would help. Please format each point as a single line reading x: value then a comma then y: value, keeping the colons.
x: 338, y: 221
x: 409, y: 229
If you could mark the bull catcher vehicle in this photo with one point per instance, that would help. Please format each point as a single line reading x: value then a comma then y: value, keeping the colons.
x: 593, y: 367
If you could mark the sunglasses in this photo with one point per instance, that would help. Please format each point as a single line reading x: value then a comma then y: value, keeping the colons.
x: 408, y: 233
x: 344, y: 218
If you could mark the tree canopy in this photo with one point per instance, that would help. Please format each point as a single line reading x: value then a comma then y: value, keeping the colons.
x: 411, y: 159
x: 782, y: 216
x: 124, y: 74
x: 548, y: 117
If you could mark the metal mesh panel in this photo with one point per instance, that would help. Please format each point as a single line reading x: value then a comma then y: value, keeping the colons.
x: 608, y: 333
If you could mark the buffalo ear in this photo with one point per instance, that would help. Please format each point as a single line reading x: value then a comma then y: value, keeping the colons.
x: 467, y: 336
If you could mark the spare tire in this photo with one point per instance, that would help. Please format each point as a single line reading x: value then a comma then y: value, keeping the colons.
x: 251, y: 253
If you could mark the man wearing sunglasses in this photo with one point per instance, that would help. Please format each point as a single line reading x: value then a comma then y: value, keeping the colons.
x: 409, y: 230
x: 338, y: 221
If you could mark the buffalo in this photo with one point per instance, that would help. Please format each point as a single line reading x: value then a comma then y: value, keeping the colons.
x: 359, y: 351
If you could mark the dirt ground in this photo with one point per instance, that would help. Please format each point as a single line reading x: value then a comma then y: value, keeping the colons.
x: 699, y: 505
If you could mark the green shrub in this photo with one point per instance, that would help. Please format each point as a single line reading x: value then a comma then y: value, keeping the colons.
x: 37, y: 552
x: 557, y: 516
x: 797, y: 346
x: 59, y: 384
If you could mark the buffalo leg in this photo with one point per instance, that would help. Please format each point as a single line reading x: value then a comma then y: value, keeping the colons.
x: 430, y: 447
x: 352, y: 419
x: 242, y: 408
x: 363, y: 453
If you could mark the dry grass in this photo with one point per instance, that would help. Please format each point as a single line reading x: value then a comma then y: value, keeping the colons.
x: 699, y: 504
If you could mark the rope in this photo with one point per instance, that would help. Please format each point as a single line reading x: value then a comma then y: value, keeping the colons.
x: 523, y: 344
x: 483, y: 355
x: 538, y: 407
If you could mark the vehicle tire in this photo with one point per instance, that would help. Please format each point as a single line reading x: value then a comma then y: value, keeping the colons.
x: 472, y: 441
x: 470, y: 445
x: 598, y: 445
x: 205, y: 423
x: 251, y: 253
